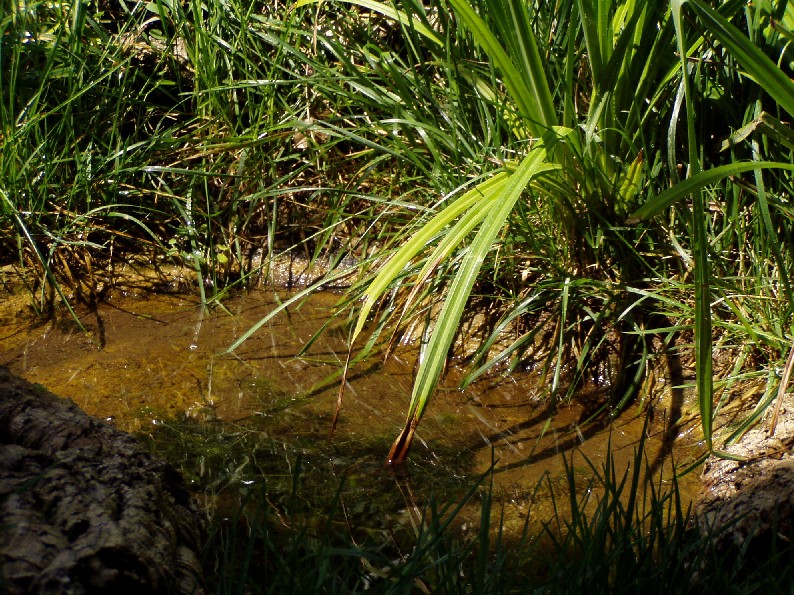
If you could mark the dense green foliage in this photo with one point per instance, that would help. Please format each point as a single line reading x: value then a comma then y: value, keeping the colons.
x: 218, y: 134
x: 587, y: 172
x: 604, y: 181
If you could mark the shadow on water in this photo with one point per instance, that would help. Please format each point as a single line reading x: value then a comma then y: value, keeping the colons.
x: 672, y: 420
x: 255, y: 418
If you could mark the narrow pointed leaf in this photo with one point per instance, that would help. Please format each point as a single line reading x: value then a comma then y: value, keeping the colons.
x: 756, y: 64
x: 435, y: 353
x: 397, y: 263
x: 685, y: 188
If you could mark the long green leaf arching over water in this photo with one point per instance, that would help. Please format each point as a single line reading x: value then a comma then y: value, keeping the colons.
x: 419, y: 240
x: 496, y: 203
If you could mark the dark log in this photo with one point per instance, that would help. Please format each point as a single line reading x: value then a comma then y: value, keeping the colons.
x: 84, y: 508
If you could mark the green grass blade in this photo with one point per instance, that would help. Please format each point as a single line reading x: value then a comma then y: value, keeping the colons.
x: 766, y: 124
x: 695, y: 183
x: 564, y: 299
x: 435, y: 354
x: 766, y: 218
x: 593, y: 38
x: 756, y: 64
x: 513, y: 25
x: 395, y: 265
x: 329, y: 279
x: 529, y: 90
x: 703, y: 340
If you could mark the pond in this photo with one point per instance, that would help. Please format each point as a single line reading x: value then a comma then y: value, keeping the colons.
x: 260, y: 417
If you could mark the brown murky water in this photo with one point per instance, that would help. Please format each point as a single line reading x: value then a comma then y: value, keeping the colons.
x: 155, y: 365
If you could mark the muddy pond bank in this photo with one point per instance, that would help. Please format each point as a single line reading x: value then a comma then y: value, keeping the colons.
x: 235, y: 423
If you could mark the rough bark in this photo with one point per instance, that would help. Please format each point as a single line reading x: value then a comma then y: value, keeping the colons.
x: 84, y: 507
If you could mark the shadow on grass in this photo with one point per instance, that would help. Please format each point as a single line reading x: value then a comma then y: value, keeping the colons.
x: 623, y: 532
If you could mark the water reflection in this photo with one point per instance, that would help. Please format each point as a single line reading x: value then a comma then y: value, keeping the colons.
x: 262, y: 415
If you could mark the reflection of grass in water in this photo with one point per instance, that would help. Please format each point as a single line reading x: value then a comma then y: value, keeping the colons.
x: 224, y: 462
x: 296, y: 529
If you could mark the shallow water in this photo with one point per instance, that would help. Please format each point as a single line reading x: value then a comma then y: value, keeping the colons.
x: 260, y: 417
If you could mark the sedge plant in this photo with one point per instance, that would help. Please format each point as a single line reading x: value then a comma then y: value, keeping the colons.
x: 587, y: 97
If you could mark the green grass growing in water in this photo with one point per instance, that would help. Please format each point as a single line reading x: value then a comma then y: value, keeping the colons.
x: 597, y: 154
x: 214, y: 136
x: 210, y: 134
x: 619, y: 531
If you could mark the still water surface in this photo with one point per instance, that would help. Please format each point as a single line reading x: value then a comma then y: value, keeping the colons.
x: 260, y: 417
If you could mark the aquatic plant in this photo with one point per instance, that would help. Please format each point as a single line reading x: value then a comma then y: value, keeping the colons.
x: 217, y: 135
x: 598, y: 152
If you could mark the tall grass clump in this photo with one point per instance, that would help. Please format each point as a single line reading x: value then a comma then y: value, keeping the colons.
x: 613, y: 532
x: 185, y: 133
x: 604, y: 232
